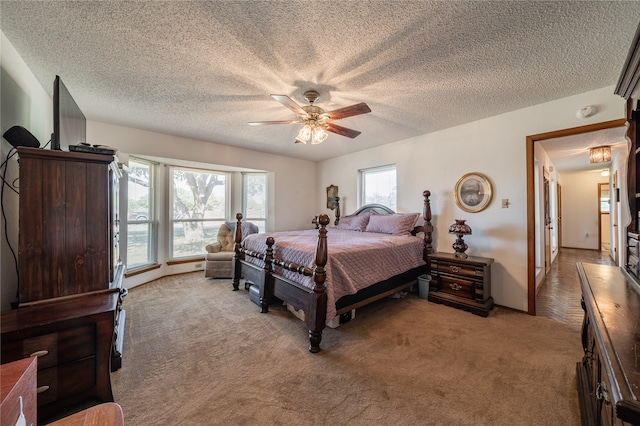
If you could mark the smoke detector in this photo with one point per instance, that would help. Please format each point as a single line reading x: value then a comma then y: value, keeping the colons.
x: 586, y: 111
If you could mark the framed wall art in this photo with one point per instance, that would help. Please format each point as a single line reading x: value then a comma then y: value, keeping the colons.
x: 332, y: 194
x: 473, y: 192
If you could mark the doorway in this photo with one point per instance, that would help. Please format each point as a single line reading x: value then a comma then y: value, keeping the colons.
x: 604, y: 222
x: 614, y: 202
x: 547, y: 222
x: 531, y: 201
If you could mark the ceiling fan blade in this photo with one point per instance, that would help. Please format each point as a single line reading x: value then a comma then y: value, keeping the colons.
x: 343, y: 131
x: 289, y: 103
x: 260, y: 123
x: 349, y: 111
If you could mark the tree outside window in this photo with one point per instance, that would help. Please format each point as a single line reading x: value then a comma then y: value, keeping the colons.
x: 199, y: 206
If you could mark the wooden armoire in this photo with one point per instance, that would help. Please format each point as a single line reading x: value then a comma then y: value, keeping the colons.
x: 69, y: 304
x: 69, y: 229
x: 68, y: 223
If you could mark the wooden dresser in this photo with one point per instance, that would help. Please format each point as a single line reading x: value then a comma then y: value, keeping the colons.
x: 72, y: 339
x: 609, y: 372
x: 461, y: 283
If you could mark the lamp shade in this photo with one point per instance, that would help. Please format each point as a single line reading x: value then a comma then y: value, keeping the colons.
x: 460, y: 228
x: 600, y: 154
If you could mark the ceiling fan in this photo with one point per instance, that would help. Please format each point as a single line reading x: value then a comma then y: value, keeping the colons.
x: 316, y: 120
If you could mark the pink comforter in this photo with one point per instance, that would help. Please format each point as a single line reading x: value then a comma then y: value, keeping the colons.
x: 355, y: 259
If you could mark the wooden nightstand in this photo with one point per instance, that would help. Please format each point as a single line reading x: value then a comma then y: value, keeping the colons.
x: 461, y: 283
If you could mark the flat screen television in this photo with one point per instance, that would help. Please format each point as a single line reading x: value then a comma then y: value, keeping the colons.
x: 69, y: 123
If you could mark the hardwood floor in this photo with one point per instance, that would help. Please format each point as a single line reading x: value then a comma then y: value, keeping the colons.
x: 559, y: 295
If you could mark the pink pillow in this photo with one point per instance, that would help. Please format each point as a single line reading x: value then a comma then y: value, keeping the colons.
x: 394, y: 224
x: 354, y: 223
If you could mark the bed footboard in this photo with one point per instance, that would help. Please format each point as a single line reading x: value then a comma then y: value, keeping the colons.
x: 312, y: 301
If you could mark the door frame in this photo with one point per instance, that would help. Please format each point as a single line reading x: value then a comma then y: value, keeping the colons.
x: 559, y: 204
x: 600, y: 184
x: 546, y: 179
x: 531, y: 201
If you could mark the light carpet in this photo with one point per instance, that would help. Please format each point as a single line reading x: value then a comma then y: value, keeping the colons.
x: 197, y: 353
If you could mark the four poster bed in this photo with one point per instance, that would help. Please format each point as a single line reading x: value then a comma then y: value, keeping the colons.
x: 375, y: 252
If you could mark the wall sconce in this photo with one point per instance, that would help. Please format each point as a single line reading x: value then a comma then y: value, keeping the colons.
x: 600, y: 154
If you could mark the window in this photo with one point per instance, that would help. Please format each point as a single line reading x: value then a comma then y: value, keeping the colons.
x: 378, y: 186
x: 254, y: 199
x: 141, y: 236
x: 199, y: 205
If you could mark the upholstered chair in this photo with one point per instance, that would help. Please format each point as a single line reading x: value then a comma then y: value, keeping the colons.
x: 218, y: 261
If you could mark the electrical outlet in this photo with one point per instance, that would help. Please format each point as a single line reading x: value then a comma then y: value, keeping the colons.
x: 505, y: 203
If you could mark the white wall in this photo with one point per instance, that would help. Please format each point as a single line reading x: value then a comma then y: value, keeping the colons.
x: 496, y: 147
x: 605, y: 228
x: 24, y: 102
x: 292, y: 183
x: 580, y: 209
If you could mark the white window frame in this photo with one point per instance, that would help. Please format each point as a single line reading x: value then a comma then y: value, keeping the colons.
x: 151, y: 221
x: 363, y: 173
x: 246, y: 217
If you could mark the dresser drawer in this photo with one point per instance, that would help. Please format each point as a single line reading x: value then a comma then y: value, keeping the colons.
x: 65, y: 380
x: 53, y: 348
x: 456, y: 269
x: 457, y: 286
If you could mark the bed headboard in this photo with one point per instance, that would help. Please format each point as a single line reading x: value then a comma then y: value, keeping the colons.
x: 426, y: 228
x: 376, y: 208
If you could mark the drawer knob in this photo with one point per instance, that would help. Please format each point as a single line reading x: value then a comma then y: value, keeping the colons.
x: 455, y: 269
x: 455, y: 286
x: 42, y: 389
x: 40, y: 353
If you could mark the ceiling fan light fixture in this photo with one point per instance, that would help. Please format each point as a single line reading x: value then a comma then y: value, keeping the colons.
x: 319, y: 136
x: 304, y: 134
x: 315, y: 120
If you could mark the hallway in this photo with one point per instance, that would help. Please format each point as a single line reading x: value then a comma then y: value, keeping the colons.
x: 559, y: 295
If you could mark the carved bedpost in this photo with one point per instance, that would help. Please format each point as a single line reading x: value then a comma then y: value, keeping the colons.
x: 337, y: 211
x: 266, y: 289
x: 428, y: 227
x: 317, y: 323
x: 237, y: 266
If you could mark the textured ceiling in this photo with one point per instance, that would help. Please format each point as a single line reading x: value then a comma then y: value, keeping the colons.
x: 571, y: 153
x: 204, y: 69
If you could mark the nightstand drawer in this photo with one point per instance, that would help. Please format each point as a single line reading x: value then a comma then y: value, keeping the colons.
x: 457, y: 286
x: 463, y: 283
x: 54, y: 348
x: 459, y: 269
